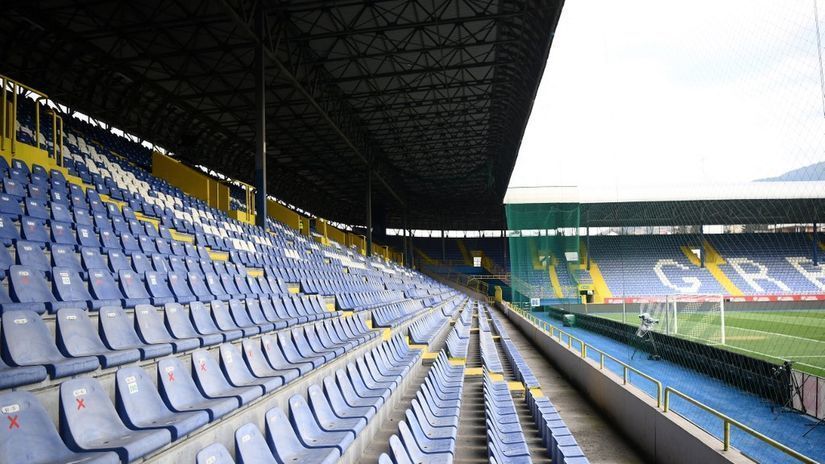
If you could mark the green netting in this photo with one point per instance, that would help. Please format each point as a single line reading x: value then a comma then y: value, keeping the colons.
x: 544, y: 253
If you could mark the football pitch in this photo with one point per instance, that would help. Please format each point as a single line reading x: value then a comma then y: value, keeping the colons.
x: 775, y: 336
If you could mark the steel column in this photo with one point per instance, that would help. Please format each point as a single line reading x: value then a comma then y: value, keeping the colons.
x: 369, y: 211
x: 260, y: 119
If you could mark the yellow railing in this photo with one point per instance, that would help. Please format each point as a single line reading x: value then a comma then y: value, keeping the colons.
x: 585, y: 348
x: 661, y: 395
x: 8, y: 118
x: 728, y: 421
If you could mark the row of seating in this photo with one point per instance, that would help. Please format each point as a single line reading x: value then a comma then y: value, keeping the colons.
x: 505, y: 438
x: 144, y: 417
x: 367, y: 300
x: 556, y: 437
x: 520, y: 367
x: 423, y: 331
x: 429, y: 430
x: 63, y: 287
x: 489, y: 353
x: 396, y: 313
x: 78, y: 346
x: 322, y: 429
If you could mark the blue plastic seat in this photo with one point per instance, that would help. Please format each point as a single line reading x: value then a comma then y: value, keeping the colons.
x: 6, y: 261
x: 152, y: 330
x: 69, y: 289
x: 210, y: 379
x: 292, y: 353
x: 157, y: 286
x: 32, y: 255
x: 310, y: 432
x: 251, y: 447
x: 340, y: 405
x: 180, y: 288
x: 237, y: 372
x: 59, y: 209
x: 159, y: 263
x: 205, y: 325
x: 64, y: 256
x: 215, y: 287
x: 141, y: 406
x: 259, y: 364
x: 8, y: 231
x: 108, y: 239
x: 416, y: 453
x: 176, y: 264
x: 28, y: 290
x: 118, y: 261
x: 129, y: 244
x: 28, y: 435
x: 223, y: 319
x: 215, y: 453
x: 10, y: 206
x: 287, y: 447
x: 28, y: 342
x: 89, y: 421
x: 77, y: 337
x: 276, y: 358
x: 118, y: 333
x: 180, y: 325
x: 35, y: 207
x: 197, y: 285
x: 86, y: 235
x: 133, y: 289
x: 141, y: 263
x: 33, y: 229
x: 326, y: 417
x: 61, y: 232
x: 181, y: 394
x: 102, y: 287
x: 253, y: 309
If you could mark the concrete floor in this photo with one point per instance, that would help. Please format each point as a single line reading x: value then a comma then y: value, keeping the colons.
x: 598, y: 439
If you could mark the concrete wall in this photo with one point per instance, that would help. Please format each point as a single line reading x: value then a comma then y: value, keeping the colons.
x: 659, y: 437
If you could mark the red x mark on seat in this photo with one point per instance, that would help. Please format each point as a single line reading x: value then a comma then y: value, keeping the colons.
x: 13, y: 424
x: 203, y: 366
x: 81, y: 403
x: 171, y: 376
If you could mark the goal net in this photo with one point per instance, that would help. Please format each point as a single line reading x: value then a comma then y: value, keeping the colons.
x: 699, y: 318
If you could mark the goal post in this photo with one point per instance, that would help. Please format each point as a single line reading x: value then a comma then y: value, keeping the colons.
x: 697, y: 317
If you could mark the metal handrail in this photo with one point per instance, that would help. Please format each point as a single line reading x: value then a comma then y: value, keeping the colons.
x: 585, y: 348
x: 728, y: 421
x: 663, y: 396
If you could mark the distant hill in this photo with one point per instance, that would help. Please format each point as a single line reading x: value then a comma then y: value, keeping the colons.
x: 814, y: 171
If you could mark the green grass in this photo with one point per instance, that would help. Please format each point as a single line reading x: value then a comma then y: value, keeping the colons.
x: 775, y: 336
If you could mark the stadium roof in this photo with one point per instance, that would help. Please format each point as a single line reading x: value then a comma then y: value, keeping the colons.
x: 744, y: 203
x: 435, y: 93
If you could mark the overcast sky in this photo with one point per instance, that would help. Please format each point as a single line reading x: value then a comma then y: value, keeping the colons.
x: 664, y: 91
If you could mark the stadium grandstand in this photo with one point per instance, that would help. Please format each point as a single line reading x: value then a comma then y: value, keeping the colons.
x: 238, y: 231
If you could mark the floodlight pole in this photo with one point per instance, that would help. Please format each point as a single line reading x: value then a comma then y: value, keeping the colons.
x: 260, y: 119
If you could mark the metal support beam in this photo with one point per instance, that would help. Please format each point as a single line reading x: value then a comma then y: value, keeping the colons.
x: 405, y: 239
x: 260, y: 120
x: 816, y: 245
x: 369, y: 211
x: 701, y: 246
x: 588, y: 248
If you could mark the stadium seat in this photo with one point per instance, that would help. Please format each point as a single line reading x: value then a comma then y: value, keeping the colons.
x: 141, y: 406
x: 134, y: 290
x: 180, y: 325
x: 29, y: 435
x: 251, y: 447
x: 89, y: 421
x: 214, y: 454
x: 28, y: 342
x: 286, y: 445
x: 212, y: 382
x: 261, y: 367
x: 118, y: 333
x: 152, y: 330
x: 102, y: 288
x: 77, y: 337
x: 205, y: 325
x: 237, y: 372
x: 181, y: 394
x: 69, y: 289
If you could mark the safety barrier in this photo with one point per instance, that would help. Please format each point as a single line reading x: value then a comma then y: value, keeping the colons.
x: 662, y: 395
